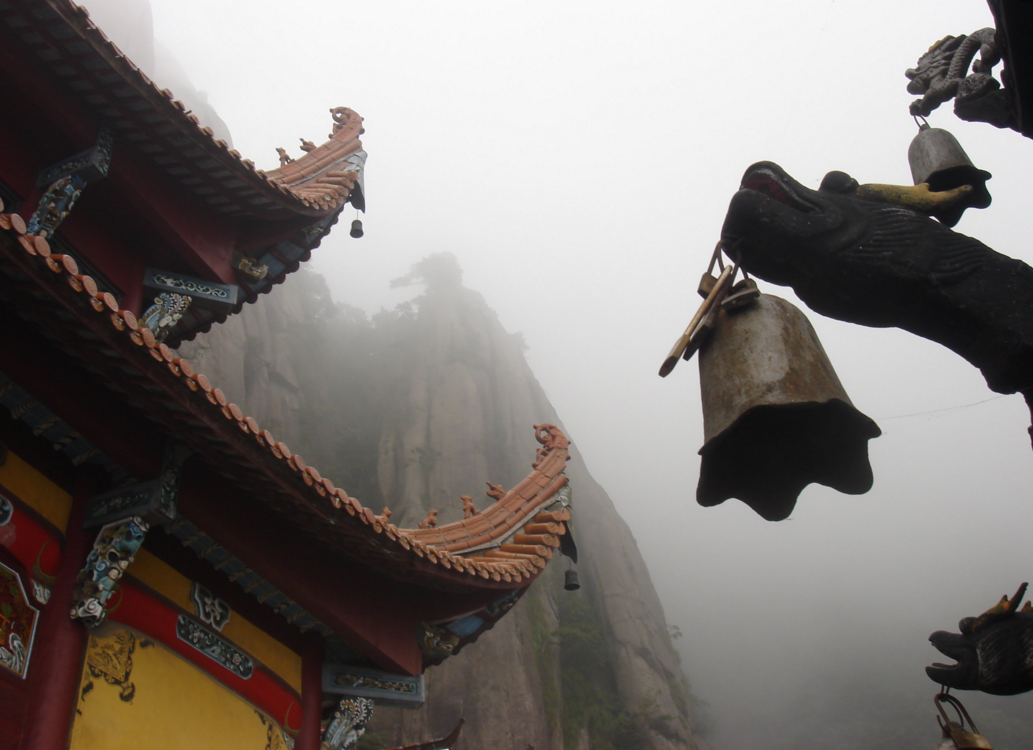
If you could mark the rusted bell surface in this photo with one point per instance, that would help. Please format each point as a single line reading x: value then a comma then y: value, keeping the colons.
x: 775, y: 416
x: 937, y: 158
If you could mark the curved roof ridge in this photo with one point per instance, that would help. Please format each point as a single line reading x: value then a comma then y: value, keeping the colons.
x: 322, y: 194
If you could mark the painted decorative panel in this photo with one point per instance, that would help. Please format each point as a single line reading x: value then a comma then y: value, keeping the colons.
x: 135, y: 690
x: 386, y: 688
x: 17, y: 623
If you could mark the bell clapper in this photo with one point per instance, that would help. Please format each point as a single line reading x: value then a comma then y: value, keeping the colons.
x: 962, y: 734
x: 695, y: 331
x: 719, y: 293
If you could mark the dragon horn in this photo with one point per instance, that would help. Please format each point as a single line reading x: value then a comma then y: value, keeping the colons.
x: 917, y: 197
x: 1014, y: 603
x: 997, y: 612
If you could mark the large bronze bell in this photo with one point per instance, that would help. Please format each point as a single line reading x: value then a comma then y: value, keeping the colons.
x: 938, y: 159
x: 775, y: 416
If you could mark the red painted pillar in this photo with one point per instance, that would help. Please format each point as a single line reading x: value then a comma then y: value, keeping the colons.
x: 57, y: 653
x: 311, y: 693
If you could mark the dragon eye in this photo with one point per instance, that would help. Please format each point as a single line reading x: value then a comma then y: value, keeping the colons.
x: 838, y: 182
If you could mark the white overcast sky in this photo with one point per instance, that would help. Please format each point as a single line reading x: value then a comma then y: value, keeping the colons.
x: 578, y: 158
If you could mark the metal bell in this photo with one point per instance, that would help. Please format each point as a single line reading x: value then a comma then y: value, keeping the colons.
x: 775, y: 416
x: 356, y: 231
x: 937, y: 158
x: 570, y: 581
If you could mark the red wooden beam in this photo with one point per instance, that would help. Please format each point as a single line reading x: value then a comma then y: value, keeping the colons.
x: 375, y: 614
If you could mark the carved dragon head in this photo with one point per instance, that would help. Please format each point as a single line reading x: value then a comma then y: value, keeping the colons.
x: 994, y: 652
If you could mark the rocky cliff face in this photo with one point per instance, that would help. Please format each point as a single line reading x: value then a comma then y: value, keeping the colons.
x: 441, y: 402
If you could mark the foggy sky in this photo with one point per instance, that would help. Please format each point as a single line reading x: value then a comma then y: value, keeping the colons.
x: 578, y: 158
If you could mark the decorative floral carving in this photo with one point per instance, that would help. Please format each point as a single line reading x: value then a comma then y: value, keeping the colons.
x: 209, y: 609
x: 214, y: 647
x: 347, y: 724
x: 190, y: 286
x: 166, y: 312
x: 55, y: 205
x: 112, y: 553
x: 350, y: 679
x: 66, y: 181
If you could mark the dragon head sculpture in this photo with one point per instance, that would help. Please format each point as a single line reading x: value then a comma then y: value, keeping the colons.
x: 872, y: 255
x: 994, y: 652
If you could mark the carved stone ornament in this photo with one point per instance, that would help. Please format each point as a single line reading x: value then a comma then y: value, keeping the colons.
x: 210, y: 609
x: 112, y: 554
x: 347, y: 724
x: 164, y: 315
x: 944, y: 73
x: 215, y: 647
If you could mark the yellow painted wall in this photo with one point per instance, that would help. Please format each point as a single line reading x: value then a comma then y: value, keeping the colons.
x: 135, y: 694
x: 36, y: 491
x: 278, y: 658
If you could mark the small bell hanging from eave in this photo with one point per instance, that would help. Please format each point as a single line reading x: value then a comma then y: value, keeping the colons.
x: 775, y: 416
x: 936, y: 158
x: 356, y: 230
x: 570, y: 582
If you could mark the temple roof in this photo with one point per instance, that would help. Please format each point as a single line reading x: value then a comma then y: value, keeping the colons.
x: 69, y: 45
x: 81, y: 83
x: 68, y: 307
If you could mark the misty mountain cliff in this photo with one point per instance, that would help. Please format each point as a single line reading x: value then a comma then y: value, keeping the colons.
x: 413, y: 407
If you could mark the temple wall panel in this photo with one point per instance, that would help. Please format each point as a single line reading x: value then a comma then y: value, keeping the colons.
x: 19, y: 616
x: 33, y: 489
x: 165, y: 580
x: 136, y: 692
